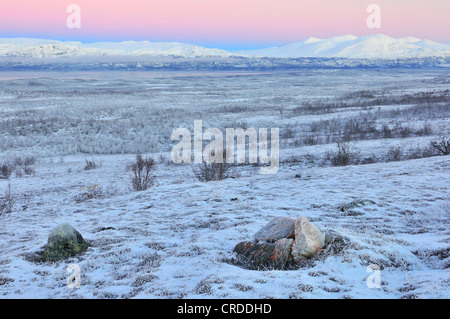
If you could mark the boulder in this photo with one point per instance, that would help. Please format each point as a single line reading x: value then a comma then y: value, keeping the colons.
x: 64, y: 241
x: 357, y: 204
x: 277, y: 228
x: 262, y: 254
x: 308, y: 239
x: 334, y: 243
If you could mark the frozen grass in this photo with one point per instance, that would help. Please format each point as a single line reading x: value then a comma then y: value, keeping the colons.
x: 176, y: 239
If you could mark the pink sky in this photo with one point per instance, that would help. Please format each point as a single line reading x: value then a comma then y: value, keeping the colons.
x: 223, y: 23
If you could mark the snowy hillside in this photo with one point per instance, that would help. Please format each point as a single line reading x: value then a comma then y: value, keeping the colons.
x: 37, y: 48
x: 370, y: 47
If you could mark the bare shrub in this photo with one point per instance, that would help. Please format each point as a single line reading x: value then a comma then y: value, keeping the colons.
x: 211, y: 172
x: 28, y: 160
x: 6, y: 202
x: 142, y: 178
x: 311, y: 140
x: 91, y: 164
x: 162, y: 159
x: 425, y: 130
x: 6, y: 170
x: 342, y: 157
x: 369, y: 159
x: 386, y: 131
x: 94, y: 192
x: 19, y: 164
x: 394, y: 154
x: 421, y: 152
x: 405, y: 131
x: 28, y: 170
x: 442, y: 145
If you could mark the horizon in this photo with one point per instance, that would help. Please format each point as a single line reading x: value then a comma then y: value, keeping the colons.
x: 228, y: 25
x: 212, y: 47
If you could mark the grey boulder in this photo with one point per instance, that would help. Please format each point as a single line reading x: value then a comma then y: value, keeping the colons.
x: 276, y: 229
x: 308, y: 239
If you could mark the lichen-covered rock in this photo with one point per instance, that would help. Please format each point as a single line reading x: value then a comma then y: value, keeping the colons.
x: 308, y: 239
x: 64, y: 241
x: 356, y: 204
x: 282, y: 253
x: 259, y: 255
x: 277, y: 228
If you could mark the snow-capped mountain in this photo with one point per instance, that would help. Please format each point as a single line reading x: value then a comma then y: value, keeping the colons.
x: 348, y: 46
x: 367, y: 47
x: 37, y: 48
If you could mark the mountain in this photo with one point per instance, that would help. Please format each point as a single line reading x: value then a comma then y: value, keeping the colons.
x: 347, y: 46
x: 37, y: 48
x: 368, y: 47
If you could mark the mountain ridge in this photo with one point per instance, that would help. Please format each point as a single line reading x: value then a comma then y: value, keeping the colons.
x: 345, y: 46
x: 367, y: 47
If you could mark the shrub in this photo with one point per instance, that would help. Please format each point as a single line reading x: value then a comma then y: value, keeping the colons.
x: 142, y: 178
x: 342, y: 156
x: 387, y: 132
x: 28, y: 170
x: 6, y: 202
x: 211, y: 172
x: 425, y: 131
x: 5, y: 170
x: 19, y: 165
x: 394, y: 154
x: 91, y: 164
x: 442, y: 145
x: 28, y: 160
x: 94, y: 192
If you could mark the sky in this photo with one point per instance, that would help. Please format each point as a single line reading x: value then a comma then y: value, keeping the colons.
x: 225, y: 24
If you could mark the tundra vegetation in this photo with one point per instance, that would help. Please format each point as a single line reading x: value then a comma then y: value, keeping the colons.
x: 363, y: 154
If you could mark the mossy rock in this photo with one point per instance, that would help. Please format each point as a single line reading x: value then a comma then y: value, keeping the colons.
x: 356, y: 204
x: 63, y: 242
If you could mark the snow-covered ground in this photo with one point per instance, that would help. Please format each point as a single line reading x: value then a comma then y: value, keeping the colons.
x: 176, y: 239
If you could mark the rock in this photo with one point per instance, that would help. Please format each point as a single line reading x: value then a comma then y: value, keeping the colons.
x: 282, y: 254
x: 277, y: 228
x: 64, y: 241
x: 334, y: 242
x: 276, y: 255
x: 331, y: 236
x: 308, y: 239
x: 356, y: 204
x: 106, y: 228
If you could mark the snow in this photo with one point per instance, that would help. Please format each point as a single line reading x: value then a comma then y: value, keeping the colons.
x: 176, y: 239
x: 346, y: 46
x: 367, y: 47
x: 37, y: 48
x: 177, y: 234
